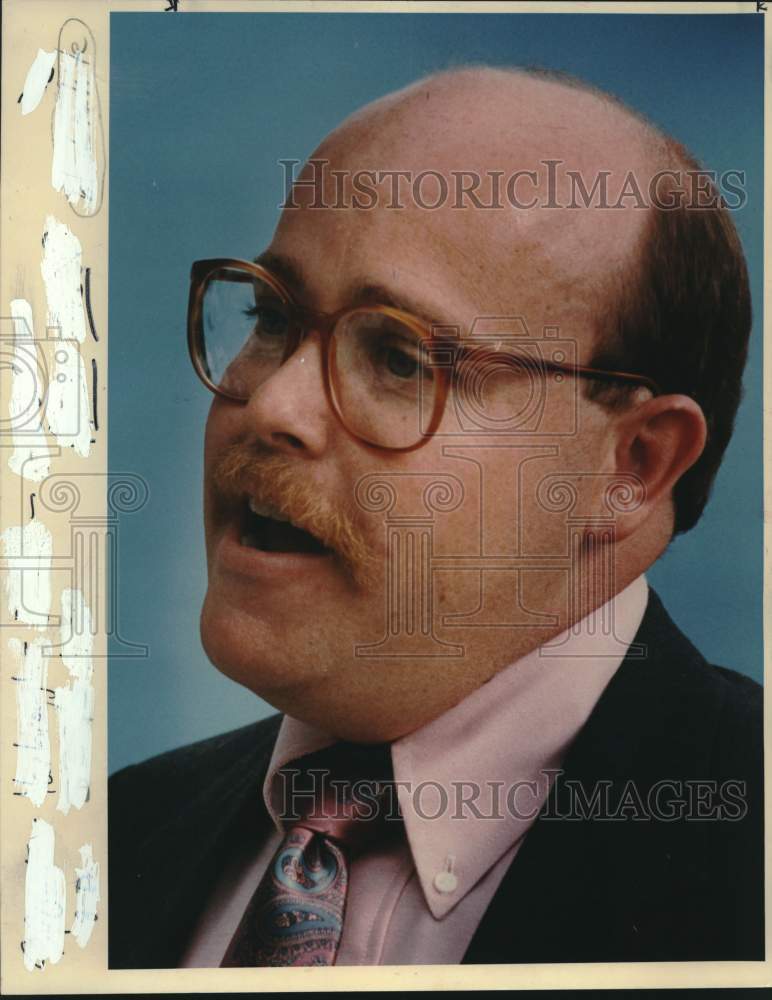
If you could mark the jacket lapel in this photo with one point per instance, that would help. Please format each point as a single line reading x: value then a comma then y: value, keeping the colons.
x: 601, y: 888
x: 213, y: 802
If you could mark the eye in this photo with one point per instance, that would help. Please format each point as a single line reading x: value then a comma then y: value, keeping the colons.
x: 399, y: 363
x: 270, y: 319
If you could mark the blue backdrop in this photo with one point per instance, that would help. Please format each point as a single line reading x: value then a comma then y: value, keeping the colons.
x: 202, y: 106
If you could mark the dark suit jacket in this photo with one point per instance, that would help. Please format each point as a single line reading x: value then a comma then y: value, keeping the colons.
x: 620, y: 883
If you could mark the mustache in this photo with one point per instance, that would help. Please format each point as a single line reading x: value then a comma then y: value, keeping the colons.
x: 276, y: 481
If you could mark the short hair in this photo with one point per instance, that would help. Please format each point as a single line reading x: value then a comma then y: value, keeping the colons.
x: 681, y: 313
x: 682, y: 316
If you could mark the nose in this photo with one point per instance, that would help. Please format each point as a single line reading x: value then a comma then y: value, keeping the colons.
x: 290, y: 410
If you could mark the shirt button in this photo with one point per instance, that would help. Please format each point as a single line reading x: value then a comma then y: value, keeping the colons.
x: 445, y: 882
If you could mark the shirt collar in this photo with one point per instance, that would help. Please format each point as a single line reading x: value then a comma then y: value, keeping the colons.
x: 472, y: 781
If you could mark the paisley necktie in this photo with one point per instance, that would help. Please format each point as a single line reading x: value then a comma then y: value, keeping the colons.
x: 296, y: 915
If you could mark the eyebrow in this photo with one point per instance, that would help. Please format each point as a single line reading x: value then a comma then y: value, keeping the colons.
x: 365, y: 293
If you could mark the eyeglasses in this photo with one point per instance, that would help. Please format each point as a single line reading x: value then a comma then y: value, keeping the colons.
x: 386, y: 373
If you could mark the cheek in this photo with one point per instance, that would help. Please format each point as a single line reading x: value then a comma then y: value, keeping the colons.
x: 220, y: 429
x: 224, y: 427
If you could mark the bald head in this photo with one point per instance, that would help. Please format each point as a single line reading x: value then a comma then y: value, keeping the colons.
x: 478, y: 112
x: 482, y: 192
x: 474, y: 167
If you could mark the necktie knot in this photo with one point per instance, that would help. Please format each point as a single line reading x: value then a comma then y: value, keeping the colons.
x: 296, y: 914
x: 344, y: 793
x: 354, y: 818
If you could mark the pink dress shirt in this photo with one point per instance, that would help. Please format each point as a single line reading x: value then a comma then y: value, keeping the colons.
x: 419, y: 898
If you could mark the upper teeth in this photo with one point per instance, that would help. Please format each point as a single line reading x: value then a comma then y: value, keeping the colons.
x: 263, y: 510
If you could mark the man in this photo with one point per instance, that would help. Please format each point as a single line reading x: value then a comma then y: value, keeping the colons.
x: 447, y: 441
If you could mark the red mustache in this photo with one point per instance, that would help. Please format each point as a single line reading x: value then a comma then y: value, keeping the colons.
x: 273, y: 480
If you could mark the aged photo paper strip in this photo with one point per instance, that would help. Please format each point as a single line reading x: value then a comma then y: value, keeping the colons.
x: 58, y: 511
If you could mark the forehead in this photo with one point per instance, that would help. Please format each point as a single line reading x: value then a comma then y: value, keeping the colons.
x: 551, y: 266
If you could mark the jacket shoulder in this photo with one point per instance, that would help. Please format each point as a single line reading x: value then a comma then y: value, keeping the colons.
x: 740, y: 732
x: 179, y: 773
x: 743, y: 693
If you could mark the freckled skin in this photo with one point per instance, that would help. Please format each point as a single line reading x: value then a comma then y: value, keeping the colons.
x: 295, y: 645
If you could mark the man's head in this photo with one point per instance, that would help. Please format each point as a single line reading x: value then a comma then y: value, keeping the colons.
x: 434, y: 568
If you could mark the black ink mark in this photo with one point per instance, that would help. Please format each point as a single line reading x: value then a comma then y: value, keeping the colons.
x: 94, y: 392
x: 173, y: 6
x: 18, y: 99
x: 761, y: 7
x: 32, y: 504
x: 90, y: 315
x: 51, y: 76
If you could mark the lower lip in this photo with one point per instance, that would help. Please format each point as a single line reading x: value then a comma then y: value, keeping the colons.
x: 243, y: 560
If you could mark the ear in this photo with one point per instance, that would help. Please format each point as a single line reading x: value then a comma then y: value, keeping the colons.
x: 657, y: 441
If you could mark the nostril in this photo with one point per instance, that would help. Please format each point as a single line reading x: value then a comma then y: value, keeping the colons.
x: 290, y: 439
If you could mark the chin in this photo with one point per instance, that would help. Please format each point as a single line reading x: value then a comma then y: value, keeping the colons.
x: 247, y: 650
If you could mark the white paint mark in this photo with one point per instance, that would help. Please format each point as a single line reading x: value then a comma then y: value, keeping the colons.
x: 67, y: 408
x: 26, y: 400
x: 75, y: 703
x: 33, y: 748
x: 61, y: 267
x: 74, y: 166
x: 21, y: 314
x: 78, y: 642
x: 44, y: 900
x: 86, y: 897
x: 29, y: 550
x: 36, y: 80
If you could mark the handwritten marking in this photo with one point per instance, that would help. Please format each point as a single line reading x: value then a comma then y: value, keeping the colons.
x: 86, y: 897
x: 33, y: 759
x: 89, y: 314
x: 94, y: 373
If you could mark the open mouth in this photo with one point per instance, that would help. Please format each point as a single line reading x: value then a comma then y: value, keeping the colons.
x: 265, y: 530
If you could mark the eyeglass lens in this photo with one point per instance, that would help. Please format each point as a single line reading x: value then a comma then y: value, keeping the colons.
x: 382, y: 384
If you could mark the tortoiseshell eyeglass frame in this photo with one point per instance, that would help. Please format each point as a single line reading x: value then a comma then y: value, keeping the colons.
x: 303, y: 320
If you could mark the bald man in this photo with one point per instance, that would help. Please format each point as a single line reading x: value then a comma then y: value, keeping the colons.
x: 482, y: 375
